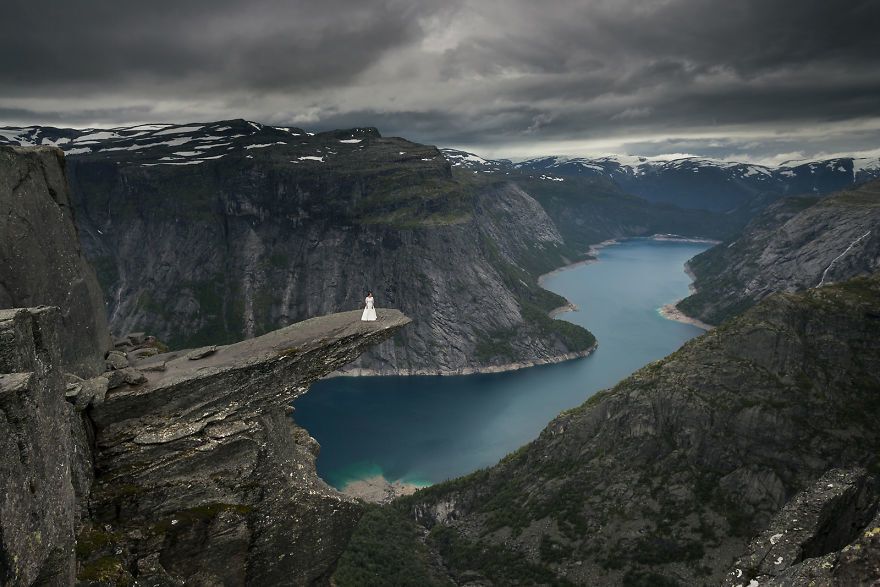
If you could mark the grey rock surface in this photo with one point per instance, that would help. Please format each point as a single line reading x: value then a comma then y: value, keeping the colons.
x: 116, y: 360
x: 201, y: 353
x: 39, y: 496
x: 203, y: 477
x: 806, y: 540
x: 92, y: 392
x: 41, y: 262
x: 797, y: 243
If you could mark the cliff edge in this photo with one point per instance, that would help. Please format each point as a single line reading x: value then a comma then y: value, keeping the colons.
x: 202, y: 475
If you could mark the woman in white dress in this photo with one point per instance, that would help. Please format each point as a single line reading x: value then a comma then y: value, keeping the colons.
x: 369, y: 311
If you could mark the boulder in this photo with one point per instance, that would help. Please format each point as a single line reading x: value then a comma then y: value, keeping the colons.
x: 116, y: 360
x: 142, y: 353
x: 92, y: 392
x: 120, y: 377
x: 201, y: 353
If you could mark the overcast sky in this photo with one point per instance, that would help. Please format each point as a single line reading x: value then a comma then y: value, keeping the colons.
x: 761, y: 80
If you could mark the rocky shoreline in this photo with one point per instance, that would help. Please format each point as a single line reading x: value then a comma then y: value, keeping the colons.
x: 377, y: 489
x: 516, y: 366
x: 569, y: 307
x: 672, y: 312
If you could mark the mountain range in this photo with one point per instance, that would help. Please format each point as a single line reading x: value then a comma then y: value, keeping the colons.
x: 690, y: 182
x: 687, y: 181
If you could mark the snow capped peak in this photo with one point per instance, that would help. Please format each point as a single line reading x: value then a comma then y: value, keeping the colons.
x: 467, y: 160
x: 149, y: 145
x: 682, y: 169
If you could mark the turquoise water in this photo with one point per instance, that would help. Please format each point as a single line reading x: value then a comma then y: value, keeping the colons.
x: 426, y: 429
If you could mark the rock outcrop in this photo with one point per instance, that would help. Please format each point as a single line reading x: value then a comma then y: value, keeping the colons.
x: 795, y: 244
x: 664, y: 478
x: 829, y: 534
x: 41, y: 262
x: 202, y: 477
x: 45, y: 464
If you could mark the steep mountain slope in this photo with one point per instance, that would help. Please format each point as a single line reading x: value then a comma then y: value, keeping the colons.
x: 664, y: 478
x: 795, y: 244
x: 689, y: 182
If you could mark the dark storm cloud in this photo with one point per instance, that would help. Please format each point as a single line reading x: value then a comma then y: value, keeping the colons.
x: 215, y: 43
x: 483, y: 73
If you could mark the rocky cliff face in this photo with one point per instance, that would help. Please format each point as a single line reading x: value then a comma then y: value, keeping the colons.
x: 202, y: 477
x: 663, y: 479
x: 169, y: 469
x: 45, y: 464
x: 41, y: 261
x: 795, y: 244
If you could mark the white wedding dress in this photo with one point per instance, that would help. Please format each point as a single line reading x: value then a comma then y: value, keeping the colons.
x: 369, y: 312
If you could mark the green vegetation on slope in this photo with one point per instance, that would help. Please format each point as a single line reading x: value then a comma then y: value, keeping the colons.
x: 535, y: 302
x: 387, y: 548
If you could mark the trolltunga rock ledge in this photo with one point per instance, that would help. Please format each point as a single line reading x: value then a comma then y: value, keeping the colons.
x: 197, y: 391
x: 202, y: 475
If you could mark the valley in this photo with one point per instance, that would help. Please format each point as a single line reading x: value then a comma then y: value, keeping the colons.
x: 423, y: 430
